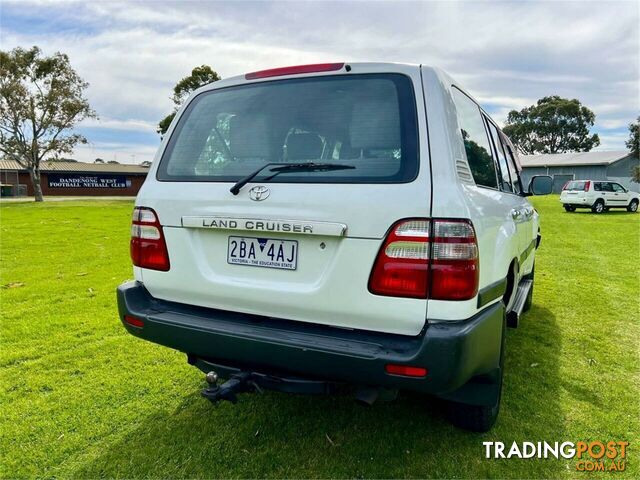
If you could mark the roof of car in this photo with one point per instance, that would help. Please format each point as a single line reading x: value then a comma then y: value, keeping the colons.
x: 238, y: 79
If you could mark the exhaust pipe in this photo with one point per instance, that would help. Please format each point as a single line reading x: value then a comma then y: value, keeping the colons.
x: 369, y: 395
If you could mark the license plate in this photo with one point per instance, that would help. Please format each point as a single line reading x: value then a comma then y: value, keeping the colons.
x: 263, y: 252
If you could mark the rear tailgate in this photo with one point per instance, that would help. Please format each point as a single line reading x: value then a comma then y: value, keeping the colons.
x: 335, y: 227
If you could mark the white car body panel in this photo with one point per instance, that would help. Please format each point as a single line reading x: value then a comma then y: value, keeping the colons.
x: 330, y: 284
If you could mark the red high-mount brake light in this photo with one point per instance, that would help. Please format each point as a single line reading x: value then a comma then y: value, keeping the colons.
x: 148, y: 248
x: 422, y: 258
x: 298, y: 69
x: 587, y: 184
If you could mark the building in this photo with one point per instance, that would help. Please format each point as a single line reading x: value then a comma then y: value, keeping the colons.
x: 72, y: 178
x: 615, y: 166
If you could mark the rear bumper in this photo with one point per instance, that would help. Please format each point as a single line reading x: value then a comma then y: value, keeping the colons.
x: 452, y: 352
x: 575, y: 201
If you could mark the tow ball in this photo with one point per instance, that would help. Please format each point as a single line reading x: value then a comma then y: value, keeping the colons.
x: 242, y: 382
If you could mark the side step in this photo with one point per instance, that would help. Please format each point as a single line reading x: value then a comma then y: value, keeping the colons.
x: 513, y: 317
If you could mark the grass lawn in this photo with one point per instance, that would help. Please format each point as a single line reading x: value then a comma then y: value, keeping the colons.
x: 79, y: 397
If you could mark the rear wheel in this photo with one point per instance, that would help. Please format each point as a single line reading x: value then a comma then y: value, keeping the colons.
x: 479, y: 418
x: 570, y: 208
x: 633, y: 206
x: 598, y: 207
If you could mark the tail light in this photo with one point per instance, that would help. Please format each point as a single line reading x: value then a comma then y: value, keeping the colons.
x: 564, y: 187
x: 587, y: 184
x: 401, y: 269
x: 422, y: 258
x: 454, y: 260
x: 148, y: 248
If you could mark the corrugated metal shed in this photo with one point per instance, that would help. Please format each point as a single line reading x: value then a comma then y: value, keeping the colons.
x: 572, y: 159
x: 78, y: 167
x: 615, y: 166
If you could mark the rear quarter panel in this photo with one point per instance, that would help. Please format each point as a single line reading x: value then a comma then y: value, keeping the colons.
x: 457, y: 197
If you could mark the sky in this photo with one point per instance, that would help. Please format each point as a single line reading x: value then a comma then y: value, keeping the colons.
x: 507, y: 54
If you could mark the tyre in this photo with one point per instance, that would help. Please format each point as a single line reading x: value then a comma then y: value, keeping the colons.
x: 478, y: 418
x: 633, y: 206
x: 570, y: 208
x: 598, y: 207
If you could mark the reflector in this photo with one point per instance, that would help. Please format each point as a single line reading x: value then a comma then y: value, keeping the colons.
x: 133, y: 321
x: 406, y: 370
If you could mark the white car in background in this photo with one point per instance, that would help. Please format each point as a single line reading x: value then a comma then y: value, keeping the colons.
x: 308, y: 228
x: 598, y: 195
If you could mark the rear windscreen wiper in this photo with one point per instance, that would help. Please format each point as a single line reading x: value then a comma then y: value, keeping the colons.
x: 289, y: 167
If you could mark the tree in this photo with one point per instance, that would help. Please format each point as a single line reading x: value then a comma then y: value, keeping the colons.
x: 200, y: 76
x: 633, y: 144
x: 41, y: 101
x: 552, y: 125
x: 98, y: 160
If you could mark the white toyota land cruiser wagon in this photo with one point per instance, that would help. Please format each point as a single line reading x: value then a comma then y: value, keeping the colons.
x: 313, y: 228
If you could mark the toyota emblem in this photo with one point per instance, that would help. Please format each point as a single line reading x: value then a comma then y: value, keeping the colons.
x: 259, y: 193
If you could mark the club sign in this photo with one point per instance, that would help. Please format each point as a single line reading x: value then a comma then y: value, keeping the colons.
x: 73, y: 180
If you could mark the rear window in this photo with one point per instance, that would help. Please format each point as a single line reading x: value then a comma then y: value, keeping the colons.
x: 575, y: 186
x: 364, y: 121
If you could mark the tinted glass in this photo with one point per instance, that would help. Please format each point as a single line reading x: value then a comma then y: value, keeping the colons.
x: 575, y: 186
x: 607, y: 187
x: 503, y: 172
x: 511, y: 161
x: 597, y: 186
x: 476, y: 142
x: 364, y: 121
x: 617, y: 187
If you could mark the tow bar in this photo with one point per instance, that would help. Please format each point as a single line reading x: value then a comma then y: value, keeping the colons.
x: 242, y: 382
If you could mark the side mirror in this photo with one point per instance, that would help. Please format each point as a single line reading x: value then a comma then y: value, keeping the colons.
x: 540, y: 185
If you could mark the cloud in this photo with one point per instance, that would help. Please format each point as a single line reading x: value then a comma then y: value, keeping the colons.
x: 121, y: 152
x: 507, y: 54
x: 114, y: 124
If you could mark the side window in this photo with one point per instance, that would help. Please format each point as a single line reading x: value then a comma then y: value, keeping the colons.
x: 617, y: 188
x: 597, y: 186
x: 503, y: 172
x: 476, y: 142
x: 513, y: 169
x: 607, y: 187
